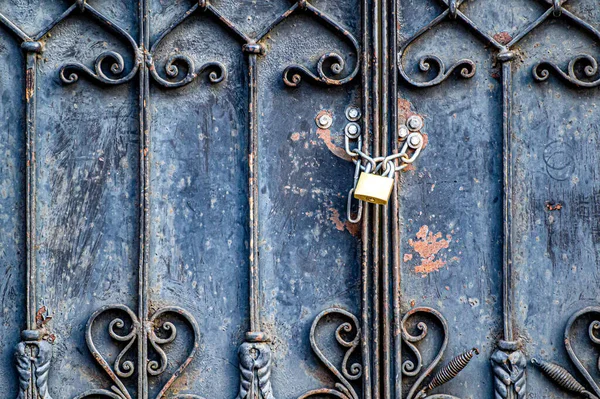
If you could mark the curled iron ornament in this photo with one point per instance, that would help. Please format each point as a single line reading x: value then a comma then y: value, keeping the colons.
x: 560, y: 375
x: 292, y: 75
x: 347, y: 373
x: 69, y: 73
x: 414, y: 368
x: 125, y: 369
x: 466, y: 66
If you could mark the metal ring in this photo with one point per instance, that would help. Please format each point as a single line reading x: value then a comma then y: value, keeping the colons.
x: 349, y: 208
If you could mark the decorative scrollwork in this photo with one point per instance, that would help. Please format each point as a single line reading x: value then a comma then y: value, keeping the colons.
x: 413, y: 368
x: 589, y: 76
x: 467, y: 67
x: 541, y: 71
x: 70, y: 73
x: 509, y: 365
x: 560, y: 375
x: 292, y: 75
x: 125, y: 369
x: 343, y: 388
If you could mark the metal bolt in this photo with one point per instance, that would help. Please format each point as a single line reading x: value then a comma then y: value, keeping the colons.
x: 352, y: 114
x: 352, y: 130
x: 324, y: 121
x: 415, y: 123
x: 415, y: 140
x: 403, y: 132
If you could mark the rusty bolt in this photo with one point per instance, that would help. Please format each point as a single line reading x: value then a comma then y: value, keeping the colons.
x: 324, y: 121
x: 352, y: 114
x: 403, y: 132
x: 352, y: 130
x: 415, y: 123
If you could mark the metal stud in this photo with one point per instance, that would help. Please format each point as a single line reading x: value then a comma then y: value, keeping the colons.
x: 353, y: 113
x: 352, y: 130
x: 324, y: 121
x: 403, y: 132
x: 414, y: 123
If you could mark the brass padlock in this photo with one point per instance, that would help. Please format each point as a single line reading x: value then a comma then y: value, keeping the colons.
x: 374, y: 188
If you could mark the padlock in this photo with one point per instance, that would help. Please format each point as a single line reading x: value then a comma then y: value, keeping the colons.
x: 374, y: 188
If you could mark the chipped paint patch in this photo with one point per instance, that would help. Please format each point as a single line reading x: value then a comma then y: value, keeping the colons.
x: 325, y: 136
x: 352, y: 228
x: 427, y: 246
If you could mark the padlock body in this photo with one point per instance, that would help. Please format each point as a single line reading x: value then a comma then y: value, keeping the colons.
x: 372, y: 188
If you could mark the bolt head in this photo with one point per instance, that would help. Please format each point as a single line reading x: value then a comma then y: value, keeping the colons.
x: 403, y: 132
x: 415, y: 123
x: 324, y: 121
x: 353, y: 113
x: 415, y: 140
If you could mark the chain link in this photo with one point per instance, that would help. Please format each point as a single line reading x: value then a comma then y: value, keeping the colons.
x: 387, y: 166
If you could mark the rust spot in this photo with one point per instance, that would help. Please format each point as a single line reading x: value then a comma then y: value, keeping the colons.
x: 295, y: 136
x: 552, y: 206
x: 503, y: 37
x: 29, y: 84
x: 325, y: 136
x: 408, y: 257
x: 352, y: 228
x: 428, y: 245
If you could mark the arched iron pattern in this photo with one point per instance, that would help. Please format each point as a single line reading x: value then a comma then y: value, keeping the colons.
x: 560, y: 375
x: 508, y: 363
x: 414, y: 366
x: 109, y: 68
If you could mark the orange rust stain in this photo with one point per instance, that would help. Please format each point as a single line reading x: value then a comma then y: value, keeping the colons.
x: 428, y: 245
x: 29, y: 84
x: 408, y: 257
x: 352, y: 228
x: 325, y: 136
x: 295, y: 136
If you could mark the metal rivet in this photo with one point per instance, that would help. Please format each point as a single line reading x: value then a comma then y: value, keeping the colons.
x: 324, y: 121
x: 415, y: 123
x: 352, y: 130
x: 415, y: 140
x: 403, y: 132
x: 352, y: 114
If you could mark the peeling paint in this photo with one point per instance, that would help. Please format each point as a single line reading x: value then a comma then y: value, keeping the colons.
x: 352, y: 228
x: 427, y: 246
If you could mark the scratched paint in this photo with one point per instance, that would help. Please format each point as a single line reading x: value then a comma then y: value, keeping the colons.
x: 428, y: 246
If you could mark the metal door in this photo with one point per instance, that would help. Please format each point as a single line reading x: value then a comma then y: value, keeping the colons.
x: 178, y: 214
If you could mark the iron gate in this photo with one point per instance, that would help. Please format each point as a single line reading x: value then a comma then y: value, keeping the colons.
x: 175, y: 213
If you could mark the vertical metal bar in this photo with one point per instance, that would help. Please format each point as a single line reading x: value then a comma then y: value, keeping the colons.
x: 144, y: 251
x: 253, y: 191
x: 31, y: 184
x: 385, y: 243
x: 376, y: 209
x: 507, y: 201
x: 395, y: 206
x: 365, y: 231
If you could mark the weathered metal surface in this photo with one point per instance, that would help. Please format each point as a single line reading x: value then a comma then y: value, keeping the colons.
x: 168, y: 196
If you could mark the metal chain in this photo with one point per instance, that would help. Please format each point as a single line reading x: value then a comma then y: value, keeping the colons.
x: 412, y: 143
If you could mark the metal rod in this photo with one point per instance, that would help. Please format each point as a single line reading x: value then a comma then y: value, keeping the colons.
x: 395, y: 208
x: 507, y: 201
x: 144, y: 192
x: 253, y: 191
x: 365, y: 230
x: 375, y: 209
x: 31, y: 184
x: 385, y: 239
